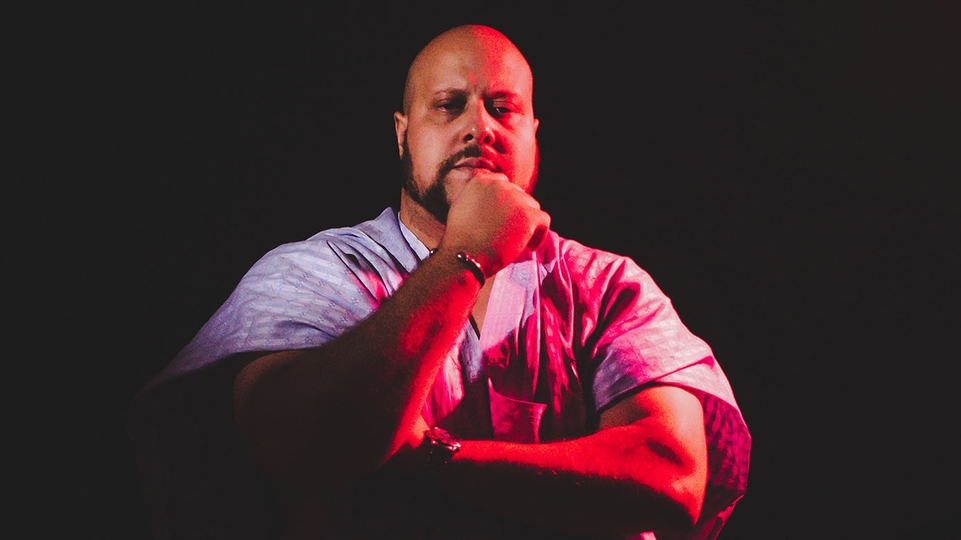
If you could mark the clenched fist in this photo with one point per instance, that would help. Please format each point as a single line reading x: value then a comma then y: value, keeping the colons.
x: 494, y: 221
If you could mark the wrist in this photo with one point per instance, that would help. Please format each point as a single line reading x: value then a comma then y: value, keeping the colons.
x: 472, y: 265
x: 441, y: 448
x: 465, y: 260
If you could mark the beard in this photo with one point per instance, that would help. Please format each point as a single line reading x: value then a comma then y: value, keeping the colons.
x: 434, y: 197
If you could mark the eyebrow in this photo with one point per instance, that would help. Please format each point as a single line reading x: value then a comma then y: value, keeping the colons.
x: 449, y: 90
x: 499, y: 94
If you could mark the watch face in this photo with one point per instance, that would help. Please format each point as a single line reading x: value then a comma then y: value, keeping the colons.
x: 443, y: 446
x: 443, y: 437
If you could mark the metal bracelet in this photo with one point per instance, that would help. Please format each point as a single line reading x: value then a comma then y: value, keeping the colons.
x: 473, y: 266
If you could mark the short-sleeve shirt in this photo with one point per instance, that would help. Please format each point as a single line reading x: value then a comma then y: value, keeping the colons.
x: 568, y: 331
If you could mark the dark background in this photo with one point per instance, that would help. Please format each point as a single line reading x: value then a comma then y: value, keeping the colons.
x: 786, y: 171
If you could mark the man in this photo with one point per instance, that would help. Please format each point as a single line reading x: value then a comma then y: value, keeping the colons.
x: 451, y: 370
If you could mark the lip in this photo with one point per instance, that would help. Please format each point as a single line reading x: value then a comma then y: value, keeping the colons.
x: 477, y: 163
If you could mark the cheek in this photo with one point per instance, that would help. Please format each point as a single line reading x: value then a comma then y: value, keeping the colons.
x: 525, y: 160
x: 425, y: 152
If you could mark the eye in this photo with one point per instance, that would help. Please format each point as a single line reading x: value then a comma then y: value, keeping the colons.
x: 500, y: 107
x: 451, y: 105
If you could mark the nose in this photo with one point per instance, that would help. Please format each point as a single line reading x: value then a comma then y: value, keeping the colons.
x: 481, y: 126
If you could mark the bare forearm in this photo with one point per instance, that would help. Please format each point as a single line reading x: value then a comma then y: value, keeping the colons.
x: 649, y: 474
x: 370, y: 383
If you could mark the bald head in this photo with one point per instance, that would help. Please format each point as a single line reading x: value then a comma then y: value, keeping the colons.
x: 465, y: 44
x: 468, y: 111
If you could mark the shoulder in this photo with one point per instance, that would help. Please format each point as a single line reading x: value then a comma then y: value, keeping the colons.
x: 590, y: 266
x: 376, y: 245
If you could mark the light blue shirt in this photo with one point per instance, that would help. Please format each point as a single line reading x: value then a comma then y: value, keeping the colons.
x: 568, y: 330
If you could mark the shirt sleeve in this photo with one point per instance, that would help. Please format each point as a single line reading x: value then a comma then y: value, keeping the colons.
x: 633, y: 335
x: 639, y: 339
x: 297, y: 296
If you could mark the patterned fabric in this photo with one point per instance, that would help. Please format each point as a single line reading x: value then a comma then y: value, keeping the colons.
x: 568, y: 331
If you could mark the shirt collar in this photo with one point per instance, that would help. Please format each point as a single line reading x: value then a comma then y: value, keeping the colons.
x: 388, y: 231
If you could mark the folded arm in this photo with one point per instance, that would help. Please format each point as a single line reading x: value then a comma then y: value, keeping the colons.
x: 645, y: 469
x: 316, y: 419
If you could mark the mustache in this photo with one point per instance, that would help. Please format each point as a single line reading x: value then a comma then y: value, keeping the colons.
x: 472, y: 151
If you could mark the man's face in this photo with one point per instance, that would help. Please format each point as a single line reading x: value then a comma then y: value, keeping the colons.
x: 469, y: 110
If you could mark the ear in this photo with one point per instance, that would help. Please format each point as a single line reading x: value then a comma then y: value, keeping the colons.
x: 537, y: 124
x: 400, y: 129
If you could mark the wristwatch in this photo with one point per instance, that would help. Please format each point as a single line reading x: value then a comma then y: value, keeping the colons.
x: 443, y: 446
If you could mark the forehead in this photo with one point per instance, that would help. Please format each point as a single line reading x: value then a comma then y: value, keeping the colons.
x: 473, y: 62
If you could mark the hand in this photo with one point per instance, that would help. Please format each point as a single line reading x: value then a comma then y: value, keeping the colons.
x: 494, y: 221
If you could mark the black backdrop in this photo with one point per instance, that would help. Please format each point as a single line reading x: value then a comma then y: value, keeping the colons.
x: 785, y: 171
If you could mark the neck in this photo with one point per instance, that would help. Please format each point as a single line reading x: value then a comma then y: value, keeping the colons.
x: 420, y: 222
